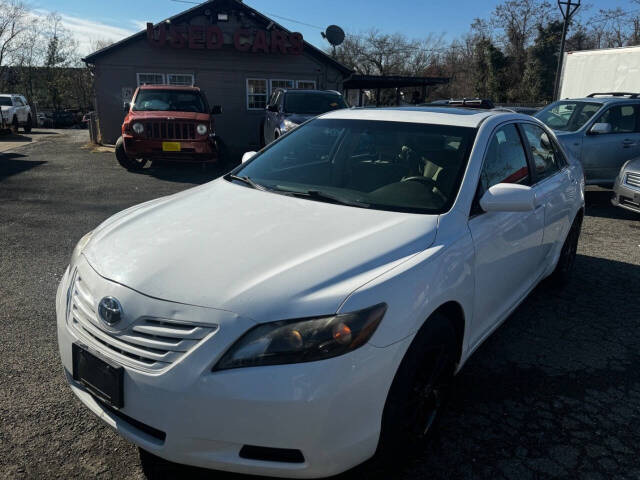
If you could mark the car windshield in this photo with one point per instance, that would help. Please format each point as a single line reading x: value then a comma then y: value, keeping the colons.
x: 396, y: 166
x: 5, y: 101
x: 568, y: 116
x: 317, y: 103
x: 169, y: 101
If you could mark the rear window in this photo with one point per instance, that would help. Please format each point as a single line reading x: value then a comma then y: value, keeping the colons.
x: 5, y: 101
x: 316, y: 103
x: 169, y: 101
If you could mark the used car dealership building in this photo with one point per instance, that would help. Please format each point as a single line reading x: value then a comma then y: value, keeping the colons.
x: 236, y: 55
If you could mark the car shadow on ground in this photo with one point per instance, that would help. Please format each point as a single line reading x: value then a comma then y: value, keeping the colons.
x: 552, y: 392
x: 598, y: 204
x: 12, y: 164
x: 15, y: 137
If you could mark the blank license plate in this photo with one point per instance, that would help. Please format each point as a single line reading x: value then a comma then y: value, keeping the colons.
x: 100, y: 376
x: 171, y: 146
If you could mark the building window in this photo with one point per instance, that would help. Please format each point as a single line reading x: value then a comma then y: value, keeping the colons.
x: 281, y: 84
x: 309, y: 84
x: 150, y: 78
x: 180, y: 79
x: 256, y: 94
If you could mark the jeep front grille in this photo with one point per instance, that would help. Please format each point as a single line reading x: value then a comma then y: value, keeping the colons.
x: 149, y: 344
x: 169, y: 130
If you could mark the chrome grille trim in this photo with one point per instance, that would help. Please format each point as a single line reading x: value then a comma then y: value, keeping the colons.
x: 633, y: 179
x: 148, y: 344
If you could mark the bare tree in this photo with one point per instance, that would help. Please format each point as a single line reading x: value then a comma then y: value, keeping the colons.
x: 12, y: 23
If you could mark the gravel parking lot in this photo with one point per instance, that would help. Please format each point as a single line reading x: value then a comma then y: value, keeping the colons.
x: 555, y: 392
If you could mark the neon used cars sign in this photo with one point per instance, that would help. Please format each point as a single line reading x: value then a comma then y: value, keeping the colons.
x: 211, y: 37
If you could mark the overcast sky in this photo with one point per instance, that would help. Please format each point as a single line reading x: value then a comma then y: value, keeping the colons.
x: 115, y: 19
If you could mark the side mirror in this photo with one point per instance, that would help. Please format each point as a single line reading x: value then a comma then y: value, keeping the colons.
x: 247, y: 156
x: 508, y: 197
x: 272, y: 108
x: 126, y: 107
x: 216, y: 110
x: 600, y: 128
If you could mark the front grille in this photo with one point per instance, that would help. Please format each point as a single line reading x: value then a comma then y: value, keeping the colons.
x: 633, y: 179
x: 169, y: 130
x: 148, y: 343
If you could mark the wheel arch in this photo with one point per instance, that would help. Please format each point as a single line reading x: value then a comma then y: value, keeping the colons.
x: 454, y: 312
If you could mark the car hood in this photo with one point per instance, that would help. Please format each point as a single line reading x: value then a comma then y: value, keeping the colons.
x: 258, y: 254
x: 202, y: 117
x: 633, y: 166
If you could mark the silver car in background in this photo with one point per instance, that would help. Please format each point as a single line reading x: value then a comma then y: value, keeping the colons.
x: 626, y: 190
x: 601, y: 130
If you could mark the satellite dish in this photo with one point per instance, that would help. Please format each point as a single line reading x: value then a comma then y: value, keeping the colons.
x: 334, y: 35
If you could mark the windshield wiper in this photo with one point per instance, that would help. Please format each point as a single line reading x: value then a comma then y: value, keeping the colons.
x: 328, y: 197
x: 247, y: 181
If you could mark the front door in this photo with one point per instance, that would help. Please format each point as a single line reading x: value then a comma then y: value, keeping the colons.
x: 604, y: 154
x: 508, y: 245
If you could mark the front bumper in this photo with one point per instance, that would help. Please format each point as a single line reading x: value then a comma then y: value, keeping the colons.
x: 626, y: 196
x: 190, y: 150
x: 330, y: 410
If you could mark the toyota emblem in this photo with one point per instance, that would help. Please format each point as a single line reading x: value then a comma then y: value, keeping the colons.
x: 110, y: 310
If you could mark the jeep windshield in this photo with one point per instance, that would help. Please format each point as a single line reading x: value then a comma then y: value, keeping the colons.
x: 314, y: 103
x: 397, y: 166
x: 568, y: 116
x: 169, y: 101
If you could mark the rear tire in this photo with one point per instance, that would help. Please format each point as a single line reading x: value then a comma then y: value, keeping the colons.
x: 28, y: 125
x: 561, y: 275
x: 131, y: 164
x: 419, y: 392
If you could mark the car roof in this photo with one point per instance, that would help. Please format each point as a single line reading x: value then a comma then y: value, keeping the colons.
x: 169, y: 87
x: 307, y: 90
x: 463, y: 117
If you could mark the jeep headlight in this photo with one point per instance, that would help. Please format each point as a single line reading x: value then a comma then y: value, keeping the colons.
x: 75, y: 256
x: 288, y: 125
x: 202, y: 129
x: 303, y: 340
x: 138, y: 128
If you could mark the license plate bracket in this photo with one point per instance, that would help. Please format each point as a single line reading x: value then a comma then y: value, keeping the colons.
x: 171, y: 146
x: 100, y: 376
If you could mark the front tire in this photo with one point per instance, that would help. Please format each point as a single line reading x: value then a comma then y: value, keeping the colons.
x: 419, y: 392
x: 14, y: 126
x: 28, y: 125
x: 131, y: 164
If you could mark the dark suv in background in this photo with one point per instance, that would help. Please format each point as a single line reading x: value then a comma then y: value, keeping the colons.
x: 288, y: 108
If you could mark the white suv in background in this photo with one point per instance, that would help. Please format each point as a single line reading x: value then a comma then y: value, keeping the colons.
x: 309, y: 309
x: 16, y: 112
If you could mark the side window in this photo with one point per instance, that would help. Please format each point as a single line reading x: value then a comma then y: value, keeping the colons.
x: 506, y: 161
x: 18, y: 102
x: 545, y: 160
x: 622, y: 118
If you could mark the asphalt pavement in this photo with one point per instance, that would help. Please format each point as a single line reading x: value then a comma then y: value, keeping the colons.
x: 554, y: 393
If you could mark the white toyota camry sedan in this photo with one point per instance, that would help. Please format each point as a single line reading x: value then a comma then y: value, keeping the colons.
x: 307, y: 311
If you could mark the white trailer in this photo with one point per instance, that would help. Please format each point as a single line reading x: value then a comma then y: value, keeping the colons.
x: 605, y: 70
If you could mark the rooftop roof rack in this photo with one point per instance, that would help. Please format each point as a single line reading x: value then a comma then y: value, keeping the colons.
x: 614, y: 94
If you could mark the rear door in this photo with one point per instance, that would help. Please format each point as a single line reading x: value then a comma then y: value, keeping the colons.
x: 553, y: 185
x: 507, y: 244
x: 604, y: 154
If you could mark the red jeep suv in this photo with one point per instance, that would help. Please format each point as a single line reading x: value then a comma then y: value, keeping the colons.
x: 167, y: 122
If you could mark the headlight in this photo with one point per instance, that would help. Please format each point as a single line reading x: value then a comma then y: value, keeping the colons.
x: 75, y: 256
x: 289, y: 125
x: 202, y: 129
x: 138, y: 128
x: 305, y: 340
